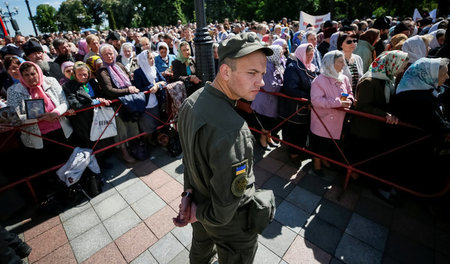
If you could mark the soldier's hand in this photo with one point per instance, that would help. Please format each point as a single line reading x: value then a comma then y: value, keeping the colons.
x: 184, y: 213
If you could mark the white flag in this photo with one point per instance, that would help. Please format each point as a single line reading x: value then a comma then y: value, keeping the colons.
x: 416, y: 15
x: 315, y: 21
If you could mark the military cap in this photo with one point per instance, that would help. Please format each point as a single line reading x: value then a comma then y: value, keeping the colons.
x: 241, y: 45
x: 31, y: 46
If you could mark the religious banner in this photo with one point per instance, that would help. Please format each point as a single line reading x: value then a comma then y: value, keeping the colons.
x: 315, y: 21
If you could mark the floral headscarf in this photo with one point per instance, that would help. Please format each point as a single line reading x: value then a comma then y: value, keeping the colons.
x: 415, y: 47
x: 385, y: 67
x: 119, y: 78
x: 328, y: 69
x: 91, y: 63
x: 180, y: 56
x: 300, y: 53
x: 421, y: 75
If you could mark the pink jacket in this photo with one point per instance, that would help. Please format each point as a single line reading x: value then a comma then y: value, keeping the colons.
x: 325, y: 98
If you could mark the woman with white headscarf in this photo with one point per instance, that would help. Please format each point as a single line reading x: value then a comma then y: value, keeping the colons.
x: 147, y: 78
x: 417, y: 47
x: 128, y: 58
x: 330, y: 91
x: 163, y: 61
x: 418, y: 102
x: 266, y: 105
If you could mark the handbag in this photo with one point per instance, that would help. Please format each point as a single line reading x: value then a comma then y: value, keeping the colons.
x: 100, y: 123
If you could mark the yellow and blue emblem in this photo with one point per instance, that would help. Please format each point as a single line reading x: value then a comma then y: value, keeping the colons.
x: 240, y: 181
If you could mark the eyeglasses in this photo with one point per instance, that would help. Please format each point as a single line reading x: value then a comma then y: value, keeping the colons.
x: 350, y: 41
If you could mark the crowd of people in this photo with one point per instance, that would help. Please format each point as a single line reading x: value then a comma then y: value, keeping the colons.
x: 389, y: 67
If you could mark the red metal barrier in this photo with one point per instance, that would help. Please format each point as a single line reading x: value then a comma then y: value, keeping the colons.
x: 28, y: 179
x: 351, y: 167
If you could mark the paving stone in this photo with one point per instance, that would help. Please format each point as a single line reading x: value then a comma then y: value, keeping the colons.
x: 123, y: 180
x: 280, y: 186
x: 170, y: 191
x: 352, y: 250
x: 135, y: 192
x: 145, y: 258
x: 180, y: 179
x: 46, y: 243
x: 121, y: 222
x: 148, y: 205
x: 261, y: 175
x: 108, y: 191
x: 174, y: 169
x: 321, y: 234
x: 70, y: 212
x: 413, y: 228
x: 367, y: 231
x: 337, y: 261
x: 346, y: 198
x: 136, y: 241
x: 181, y: 258
x: 110, y: 206
x: 265, y: 256
x: 166, y: 249
x: 80, y: 223
x: 270, y: 164
x: 376, y: 211
x: 277, y: 238
x: 88, y: 243
x: 161, y: 222
x: 41, y: 228
x: 144, y: 168
x: 333, y: 214
x: 314, y: 184
x: 183, y: 234
x: 304, y: 199
x: 288, y: 172
x: 156, y: 179
x: 303, y: 251
x: 63, y: 254
x: 406, y: 250
x: 108, y: 254
x: 291, y: 216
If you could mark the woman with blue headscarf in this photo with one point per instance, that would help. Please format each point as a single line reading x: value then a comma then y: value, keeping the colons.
x: 417, y: 101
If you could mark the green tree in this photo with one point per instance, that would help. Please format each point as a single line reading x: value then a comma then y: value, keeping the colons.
x: 45, y: 18
x: 73, y: 15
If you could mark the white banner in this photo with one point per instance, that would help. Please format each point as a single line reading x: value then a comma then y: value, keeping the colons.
x: 416, y: 15
x: 315, y: 21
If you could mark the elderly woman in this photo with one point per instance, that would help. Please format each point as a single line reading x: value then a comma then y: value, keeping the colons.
x: 184, y: 69
x: 51, y: 124
x: 417, y: 47
x: 148, y: 78
x: 418, y: 102
x: 353, y: 67
x: 369, y: 137
x: 298, y: 76
x: 94, y: 63
x: 163, y: 61
x: 114, y: 82
x: 365, y: 48
x: 266, y: 105
x: 128, y: 58
x: 329, y: 91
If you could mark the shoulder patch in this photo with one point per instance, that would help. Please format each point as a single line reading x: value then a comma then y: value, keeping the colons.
x: 240, y: 182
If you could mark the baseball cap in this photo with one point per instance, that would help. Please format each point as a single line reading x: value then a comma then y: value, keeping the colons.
x: 241, y: 45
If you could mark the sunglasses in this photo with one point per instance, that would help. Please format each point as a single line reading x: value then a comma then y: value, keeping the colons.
x: 350, y: 41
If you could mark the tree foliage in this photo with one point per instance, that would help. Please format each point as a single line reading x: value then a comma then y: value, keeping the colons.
x: 122, y: 13
x: 45, y: 18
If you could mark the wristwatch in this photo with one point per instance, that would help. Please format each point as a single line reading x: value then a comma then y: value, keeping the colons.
x: 186, y: 194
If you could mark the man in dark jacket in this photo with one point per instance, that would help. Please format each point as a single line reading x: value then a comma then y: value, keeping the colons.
x: 34, y: 53
x: 63, y: 50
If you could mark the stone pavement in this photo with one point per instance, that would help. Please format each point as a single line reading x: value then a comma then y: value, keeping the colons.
x: 316, y: 221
